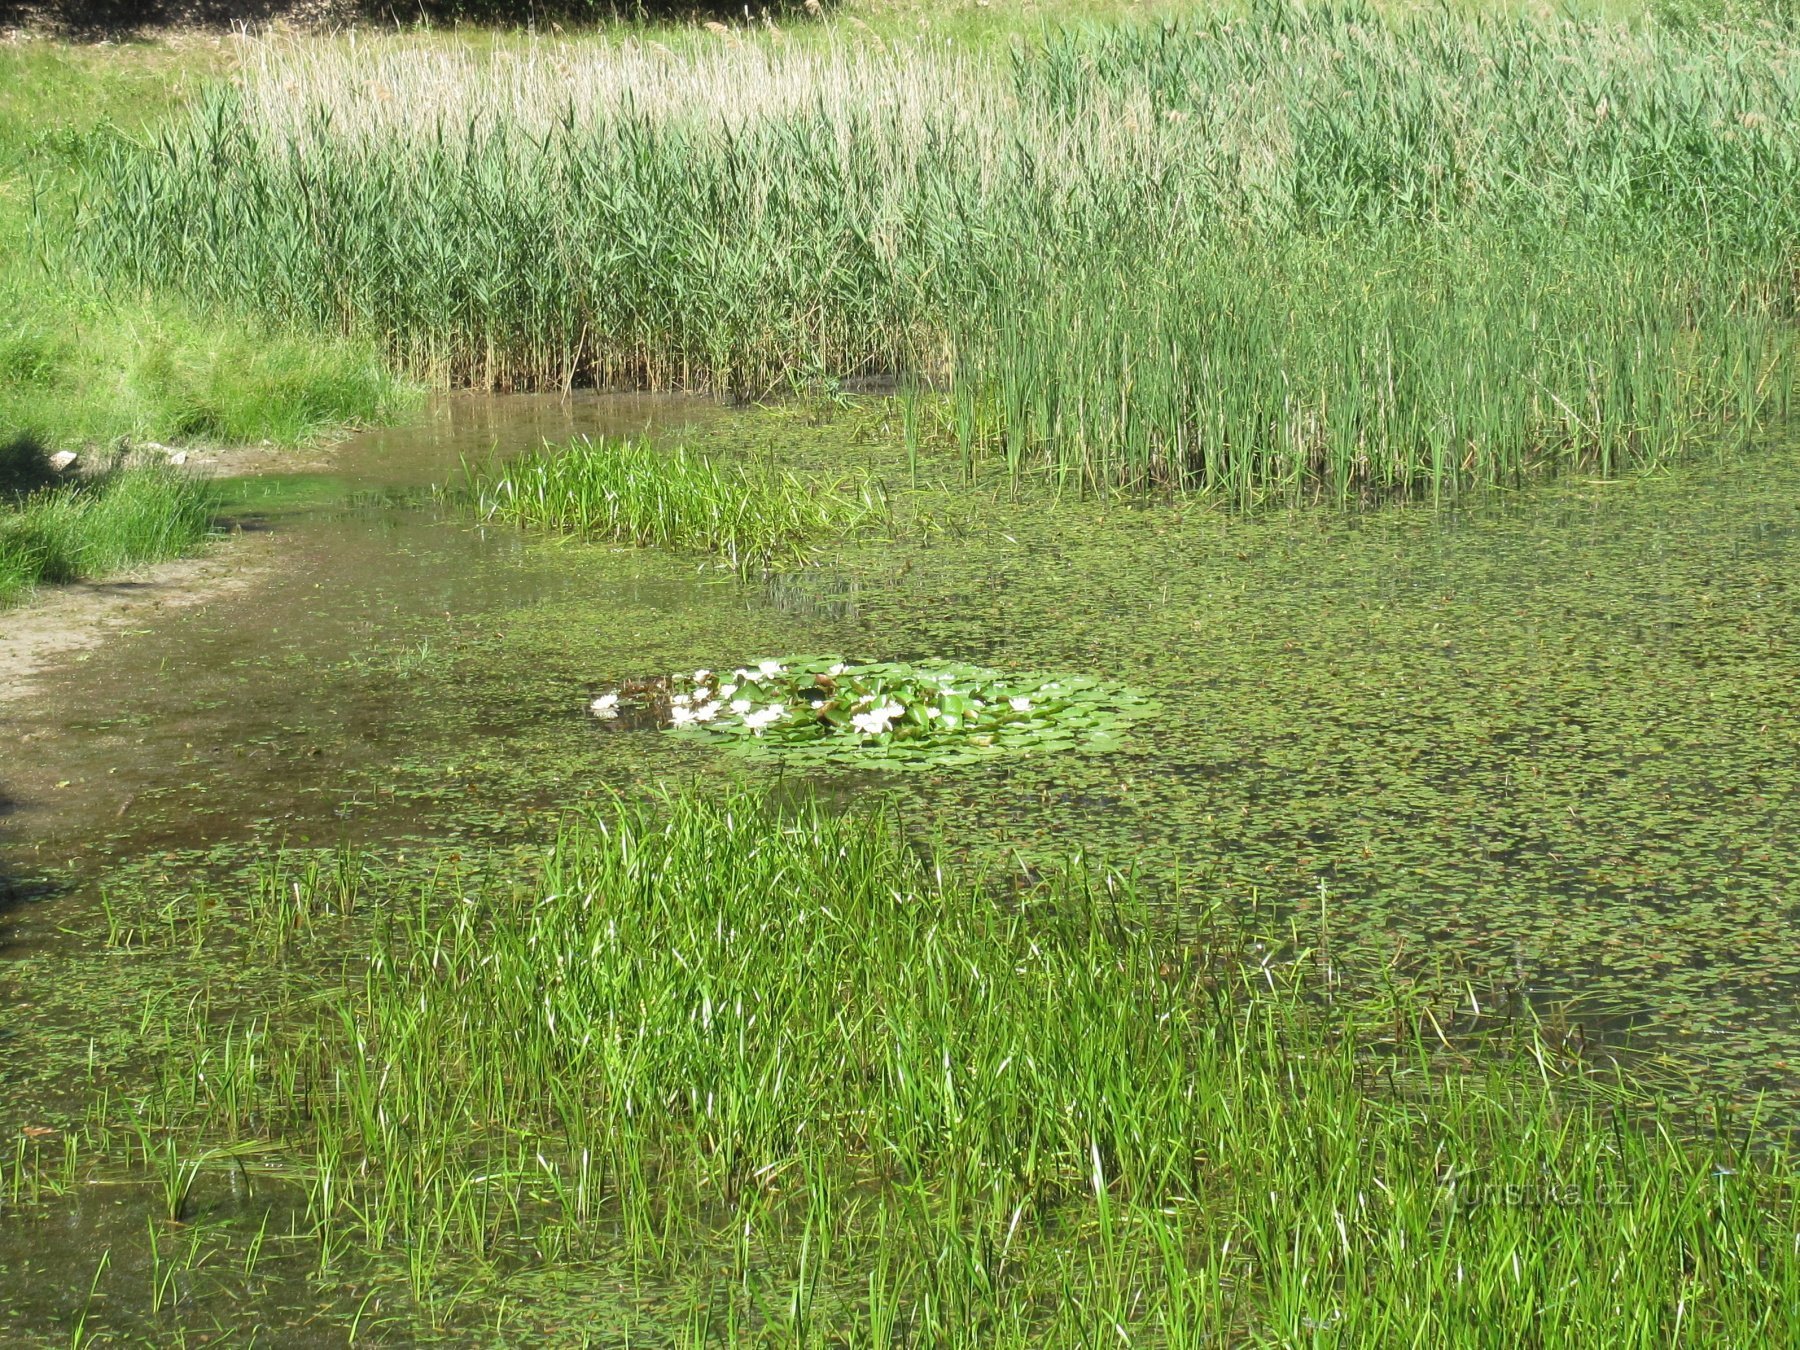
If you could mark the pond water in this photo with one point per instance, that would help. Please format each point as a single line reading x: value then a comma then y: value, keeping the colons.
x: 1549, y: 740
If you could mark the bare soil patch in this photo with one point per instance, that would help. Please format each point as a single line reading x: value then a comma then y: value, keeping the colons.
x: 63, y: 623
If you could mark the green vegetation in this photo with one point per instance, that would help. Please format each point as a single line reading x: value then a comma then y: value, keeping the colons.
x: 1282, y: 254
x: 113, y: 521
x: 753, y: 515
x: 778, y: 1079
x: 82, y: 364
x: 887, y: 714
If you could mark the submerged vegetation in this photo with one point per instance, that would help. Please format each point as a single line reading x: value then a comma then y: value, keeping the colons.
x: 781, y: 1077
x: 99, y: 525
x: 753, y: 515
x: 1295, y: 252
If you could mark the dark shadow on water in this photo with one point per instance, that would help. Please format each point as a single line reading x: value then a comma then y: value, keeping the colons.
x: 17, y: 887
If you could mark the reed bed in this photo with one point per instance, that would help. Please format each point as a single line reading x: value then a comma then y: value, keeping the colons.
x: 1294, y: 252
x: 118, y: 521
x: 792, y: 1081
x: 754, y: 516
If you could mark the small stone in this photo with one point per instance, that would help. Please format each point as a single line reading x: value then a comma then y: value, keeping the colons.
x: 63, y: 460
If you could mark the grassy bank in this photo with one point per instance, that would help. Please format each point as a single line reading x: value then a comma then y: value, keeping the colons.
x: 96, y: 526
x: 84, y: 363
x: 715, y: 1070
x: 1279, y: 254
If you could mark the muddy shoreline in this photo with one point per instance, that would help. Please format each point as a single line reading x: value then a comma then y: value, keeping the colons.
x: 67, y: 622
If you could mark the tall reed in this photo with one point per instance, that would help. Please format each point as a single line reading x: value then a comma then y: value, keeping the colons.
x: 1297, y: 251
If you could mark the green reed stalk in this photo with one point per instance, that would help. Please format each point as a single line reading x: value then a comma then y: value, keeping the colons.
x: 1291, y: 253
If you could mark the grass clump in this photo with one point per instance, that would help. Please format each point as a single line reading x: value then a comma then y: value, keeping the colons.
x: 1281, y: 253
x: 786, y: 1078
x: 117, y: 520
x: 754, y: 516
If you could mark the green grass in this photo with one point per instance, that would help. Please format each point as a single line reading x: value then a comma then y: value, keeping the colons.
x: 81, y: 363
x: 752, y: 515
x: 1278, y: 254
x: 116, y: 521
x: 767, y: 1075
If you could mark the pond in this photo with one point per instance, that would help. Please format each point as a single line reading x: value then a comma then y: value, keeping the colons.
x: 1546, y: 743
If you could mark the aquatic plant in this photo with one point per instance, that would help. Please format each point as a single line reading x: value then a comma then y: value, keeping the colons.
x: 1278, y: 254
x: 755, y: 516
x: 887, y: 713
x: 773, y: 1068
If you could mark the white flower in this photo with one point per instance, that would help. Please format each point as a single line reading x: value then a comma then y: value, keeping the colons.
x: 679, y: 716
x: 876, y: 720
x: 680, y: 700
x: 740, y: 706
x: 951, y: 722
x: 742, y: 674
x: 607, y: 705
x: 933, y: 712
x: 768, y: 668
x: 837, y: 670
x: 756, y: 721
x: 705, y: 712
x: 727, y: 690
x: 701, y: 676
x: 1020, y: 704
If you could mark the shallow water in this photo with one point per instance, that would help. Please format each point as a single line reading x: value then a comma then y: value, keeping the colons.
x: 1550, y: 740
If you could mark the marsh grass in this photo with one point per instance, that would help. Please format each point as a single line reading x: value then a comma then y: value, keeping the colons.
x: 753, y: 515
x: 1276, y: 254
x: 116, y: 521
x: 783, y: 1078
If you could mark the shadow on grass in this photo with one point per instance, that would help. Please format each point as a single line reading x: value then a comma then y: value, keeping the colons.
x: 24, y: 467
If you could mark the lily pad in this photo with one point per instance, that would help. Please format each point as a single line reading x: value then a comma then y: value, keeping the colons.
x: 887, y: 713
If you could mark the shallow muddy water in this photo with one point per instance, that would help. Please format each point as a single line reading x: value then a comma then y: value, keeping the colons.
x: 1550, y: 740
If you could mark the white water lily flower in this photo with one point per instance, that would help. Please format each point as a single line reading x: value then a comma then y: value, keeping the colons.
x: 701, y: 676
x: 877, y: 720
x: 934, y: 712
x: 951, y: 721
x: 705, y: 712
x: 680, y: 700
x: 756, y: 721
x: 607, y: 705
x: 768, y: 668
x: 837, y: 670
x: 740, y: 706
x: 727, y: 690
x: 1020, y: 704
x: 679, y: 716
